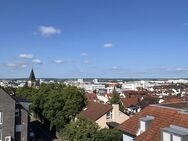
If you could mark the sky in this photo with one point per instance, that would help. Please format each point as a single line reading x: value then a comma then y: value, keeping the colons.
x: 94, y: 38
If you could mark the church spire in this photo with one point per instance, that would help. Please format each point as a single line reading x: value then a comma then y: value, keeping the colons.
x: 32, y: 76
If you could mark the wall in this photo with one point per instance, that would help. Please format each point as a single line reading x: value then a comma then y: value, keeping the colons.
x: 102, y: 122
x: 7, y: 106
x: 117, y: 115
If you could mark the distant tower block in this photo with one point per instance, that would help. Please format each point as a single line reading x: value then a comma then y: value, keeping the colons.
x: 32, y: 80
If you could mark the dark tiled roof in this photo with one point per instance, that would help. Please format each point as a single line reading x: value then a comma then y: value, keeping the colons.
x: 163, y: 117
x: 19, y: 99
x: 94, y: 110
x: 112, y: 124
x: 32, y: 76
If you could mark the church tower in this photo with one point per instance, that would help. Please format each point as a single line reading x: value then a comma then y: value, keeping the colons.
x: 32, y: 80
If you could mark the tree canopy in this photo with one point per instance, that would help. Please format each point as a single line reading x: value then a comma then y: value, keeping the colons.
x: 85, y: 130
x: 56, y: 103
x: 116, y: 99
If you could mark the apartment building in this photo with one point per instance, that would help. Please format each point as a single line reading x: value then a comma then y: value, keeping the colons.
x: 14, y: 118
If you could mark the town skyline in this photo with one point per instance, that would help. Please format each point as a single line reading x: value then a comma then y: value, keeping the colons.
x: 81, y: 39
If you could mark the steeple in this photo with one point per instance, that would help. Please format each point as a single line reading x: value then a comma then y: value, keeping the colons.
x: 32, y: 82
x: 32, y: 76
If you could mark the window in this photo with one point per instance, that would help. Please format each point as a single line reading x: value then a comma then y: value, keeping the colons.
x: 109, y: 115
x: 17, y: 113
x: 166, y: 136
x: 142, y: 126
x: 1, y: 117
x: 176, y: 138
x: 174, y: 133
x: 1, y: 134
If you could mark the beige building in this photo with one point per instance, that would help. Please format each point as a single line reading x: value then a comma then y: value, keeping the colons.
x: 106, y: 116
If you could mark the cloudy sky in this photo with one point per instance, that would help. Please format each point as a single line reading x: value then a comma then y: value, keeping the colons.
x: 94, y: 38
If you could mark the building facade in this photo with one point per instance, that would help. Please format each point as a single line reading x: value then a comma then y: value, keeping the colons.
x: 14, y: 118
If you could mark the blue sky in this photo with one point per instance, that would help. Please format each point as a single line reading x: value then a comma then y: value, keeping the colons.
x: 94, y: 38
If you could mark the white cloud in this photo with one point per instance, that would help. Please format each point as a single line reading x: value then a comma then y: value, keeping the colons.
x: 26, y: 56
x: 181, y: 69
x: 37, y: 61
x: 17, y: 65
x: 86, y: 62
x: 59, y: 61
x: 115, y: 68
x: 48, y: 30
x: 108, y: 45
x: 84, y: 54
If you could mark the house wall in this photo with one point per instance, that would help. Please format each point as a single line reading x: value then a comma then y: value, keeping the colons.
x: 117, y: 115
x: 7, y: 106
x: 24, y: 125
x: 102, y: 122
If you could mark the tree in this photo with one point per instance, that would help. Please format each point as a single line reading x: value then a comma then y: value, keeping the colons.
x: 86, y: 130
x: 108, y: 135
x: 57, y: 104
x: 26, y: 92
x: 80, y: 130
x: 62, y: 104
x: 116, y: 99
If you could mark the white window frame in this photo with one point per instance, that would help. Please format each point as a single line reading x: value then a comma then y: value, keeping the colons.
x: 142, y: 126
x: 1, y: 134
x: 166, y: 136
x: 1, y: 118
x: 176, y: 138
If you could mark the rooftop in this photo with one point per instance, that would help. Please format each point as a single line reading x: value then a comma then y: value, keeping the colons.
x: 176, y: 106
x: 94, y: 110
x: 164, y: 115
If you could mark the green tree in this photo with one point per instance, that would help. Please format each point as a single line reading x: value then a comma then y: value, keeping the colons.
x: 108, y: 135
x: 80, y: 130
x: 86, y: 130
x: 116, y: 99
x: 62, y: 104
x: 57, y: 104
x: 26, y: 92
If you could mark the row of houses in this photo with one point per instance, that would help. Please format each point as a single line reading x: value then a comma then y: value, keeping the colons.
x: 164, y: 121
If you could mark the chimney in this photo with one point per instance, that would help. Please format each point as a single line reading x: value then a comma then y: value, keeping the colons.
x: 115, y: 112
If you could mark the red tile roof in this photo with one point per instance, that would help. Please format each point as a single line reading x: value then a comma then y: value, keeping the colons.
x: 172, y: 100
x: 164, y: 117
x: 91, y: 97
x: 94, y: 110
x: 130, y: 101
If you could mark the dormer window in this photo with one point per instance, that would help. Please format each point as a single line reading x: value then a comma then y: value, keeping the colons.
x: 144, y: 123
x: 142, y: 126
x: 174, y: 133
